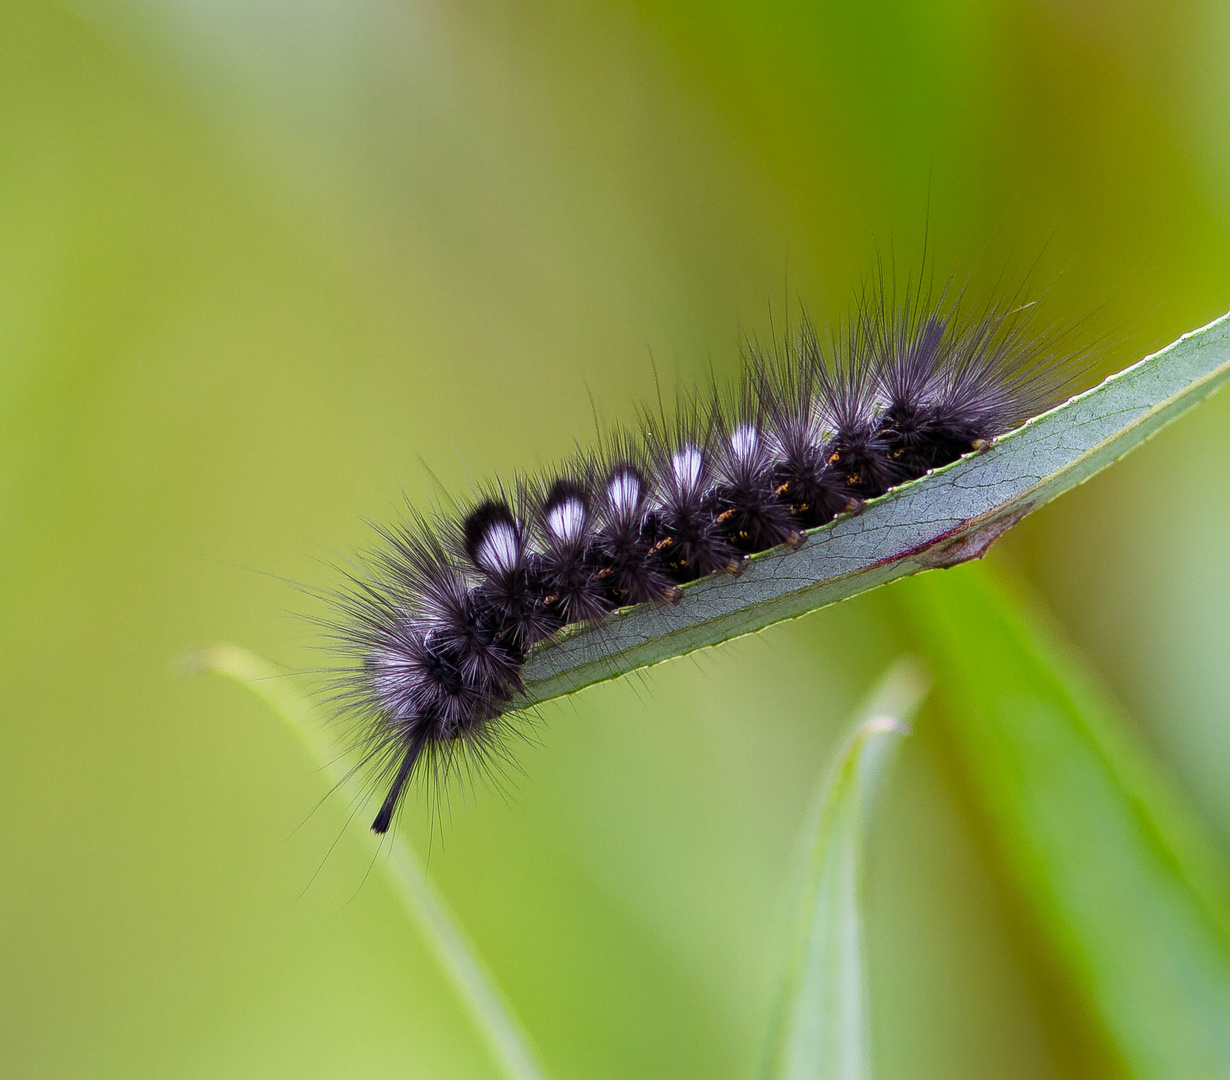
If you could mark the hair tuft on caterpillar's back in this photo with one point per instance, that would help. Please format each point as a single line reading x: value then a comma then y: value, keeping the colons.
x: 439, y: 622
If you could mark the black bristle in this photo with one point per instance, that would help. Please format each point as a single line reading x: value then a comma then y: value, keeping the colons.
x: 448, y: 609
x: 744, y: 498
x: 856, y: 450
x: 478, y: 525
x: 569, y: 565
x: 802, y: 480
x: 630, y: 570
x: 512, y: 597
x: 384, y: 817
x: 682, y: 523
x: 916, y: 424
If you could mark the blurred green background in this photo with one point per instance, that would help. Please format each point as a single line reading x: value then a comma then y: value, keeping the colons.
x: 259, y: 262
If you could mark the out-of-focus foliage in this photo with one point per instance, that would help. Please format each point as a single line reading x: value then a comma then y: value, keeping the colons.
x: 822, y: 1028
x: 1130, y: 892
x: 511, y: 1049
x: 256, y: 260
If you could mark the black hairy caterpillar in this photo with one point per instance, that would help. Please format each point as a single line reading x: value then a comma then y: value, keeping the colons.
x: 439, y: 623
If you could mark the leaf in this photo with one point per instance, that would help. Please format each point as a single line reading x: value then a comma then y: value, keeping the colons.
x: 1133, y: 895
x: 490, y: 1012
x: 943, y: 519
x: 820, y: 1027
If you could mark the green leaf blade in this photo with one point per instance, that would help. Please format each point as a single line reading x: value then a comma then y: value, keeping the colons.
x: 940, y: 520
x: 820, y: 1028
x: 1123, y: 880
x: 493, y: 1017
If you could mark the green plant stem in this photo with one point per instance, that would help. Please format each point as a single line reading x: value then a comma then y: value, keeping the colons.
x: 490, y: 1012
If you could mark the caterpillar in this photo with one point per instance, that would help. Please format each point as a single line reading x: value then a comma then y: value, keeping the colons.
x: 437, y: 622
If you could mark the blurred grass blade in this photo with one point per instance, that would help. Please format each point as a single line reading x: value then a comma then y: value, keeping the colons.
x: 1132, y: 894
x: 940, y: 520
x: 490, y: 1012
x: 820, y: 1027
